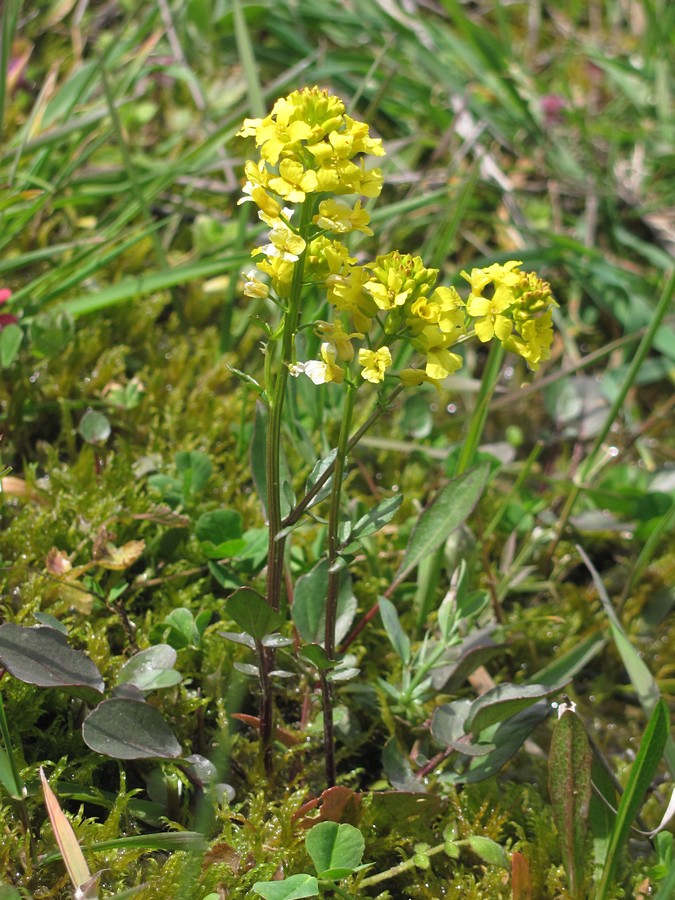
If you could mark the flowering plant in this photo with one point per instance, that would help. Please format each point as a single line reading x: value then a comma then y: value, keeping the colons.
x: 308, y: 184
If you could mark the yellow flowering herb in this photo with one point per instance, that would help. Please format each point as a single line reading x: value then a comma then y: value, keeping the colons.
x: 375, y: 363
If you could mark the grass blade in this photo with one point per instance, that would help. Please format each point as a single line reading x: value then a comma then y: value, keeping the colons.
x: 641, y: 774
x: 641, y: 678
x: 76, y: 864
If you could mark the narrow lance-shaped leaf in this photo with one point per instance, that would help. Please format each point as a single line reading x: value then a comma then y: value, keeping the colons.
x: 451, y: 506
x: 397, y: 636
x: 504, y: 701
x: 569, y: 784
x: 641, y: 678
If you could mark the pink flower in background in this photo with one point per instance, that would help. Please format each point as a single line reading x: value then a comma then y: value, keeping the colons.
x: 6, y: 318
x: 552, y: 106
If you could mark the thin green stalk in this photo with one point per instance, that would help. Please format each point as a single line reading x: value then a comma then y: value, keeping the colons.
x: 400, y: 868
x: 643, y: 349
x: 466, y: 459
x: 477, y: 424
x: 276, y: 545
x: 296, y: 513
x: 16, y: 776
x: 334, y: 581
x: 515, y: 490
x: 248, y: 61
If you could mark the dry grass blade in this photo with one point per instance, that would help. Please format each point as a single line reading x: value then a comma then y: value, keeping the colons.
x: 78, y: 871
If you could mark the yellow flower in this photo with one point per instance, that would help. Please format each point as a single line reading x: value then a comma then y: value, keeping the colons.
x: 275, y: 138
x: 534, y: 341
x: 284, y: 243
x: 266, y: 204
x: 293, y: 182
x: 440, y: 361
x: 280, y: 271
x: 363, y: 143
x: 488, y: 314
x: 341, y: 218
x: 444, y: 308
x: 495, y: 274
x: 254, y: 287
x: 390, y: 294
x: 334, y: 333
x: 374, y: 363
x: 347, y: 294
x: 321, y: 371
x: 416, y: 377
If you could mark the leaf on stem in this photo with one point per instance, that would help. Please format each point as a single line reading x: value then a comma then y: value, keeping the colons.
x: 451, y: 506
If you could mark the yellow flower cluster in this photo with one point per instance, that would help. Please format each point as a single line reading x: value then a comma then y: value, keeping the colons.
x: 517, y: 310
x: 311, y: 152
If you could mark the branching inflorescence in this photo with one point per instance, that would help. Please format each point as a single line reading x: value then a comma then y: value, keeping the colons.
x: 308, y: 185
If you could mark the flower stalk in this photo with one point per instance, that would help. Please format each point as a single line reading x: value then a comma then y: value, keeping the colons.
x: 334, y: 574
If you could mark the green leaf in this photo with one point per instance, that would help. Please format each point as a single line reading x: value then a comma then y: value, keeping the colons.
x: 51, y: 332
x: 129, y: 729
x: 7, y: 777
x: 42, y: 656
x: 507, y: 738
x: 398, y: 638
x: 641, y: 775
x: 194, y: 469
x: 220, y: 533
x: 447, y: 722
x: 641, y: 678
x: 252, y: 613
x: 569, y: 784
x: 489, y: 851
x: 316, y: 473
x: 666, y: 887
x: 94, y: 427
x: 179, y: 629
x: 10, y: 344
x: 377, y: 517
x: 151, y: 669
x: 334, y: 846
x: 451, y: 506
x: 309, y: 604
x: 504, y: 701
x: 316, y: 656
x: 294, y: 888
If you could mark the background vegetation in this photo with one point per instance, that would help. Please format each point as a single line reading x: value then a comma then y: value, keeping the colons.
x: 539, y: 131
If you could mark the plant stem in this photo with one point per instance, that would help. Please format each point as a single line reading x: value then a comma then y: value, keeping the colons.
x: 399, y: 869
x: 276, y: 546
x: 334, y: 574
x: 296, y: 513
